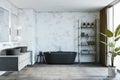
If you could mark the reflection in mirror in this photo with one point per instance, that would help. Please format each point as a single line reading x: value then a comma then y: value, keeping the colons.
x: 13, y: 27
x: 4, y: 25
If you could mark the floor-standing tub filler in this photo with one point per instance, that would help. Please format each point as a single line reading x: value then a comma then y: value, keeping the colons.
x: 60, y: 57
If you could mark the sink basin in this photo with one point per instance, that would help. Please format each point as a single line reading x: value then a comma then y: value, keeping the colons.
x: 22, y: 48
x: 12, y: 51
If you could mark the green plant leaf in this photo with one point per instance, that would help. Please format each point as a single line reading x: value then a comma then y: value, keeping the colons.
x: 117, y: 49
x: 117, y: 31
x: 109, y: 33
x: 103, y: 34
x: 118, y: 53
x: 114, y: 55
x: 104, y: 43
x: 111, y: 52
x: 116, y: 39
x: 111, y: 44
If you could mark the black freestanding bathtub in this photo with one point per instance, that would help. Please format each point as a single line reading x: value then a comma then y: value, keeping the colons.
x: 60, y: 57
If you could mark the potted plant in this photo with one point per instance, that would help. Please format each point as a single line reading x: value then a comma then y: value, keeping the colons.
x: 113, y: 49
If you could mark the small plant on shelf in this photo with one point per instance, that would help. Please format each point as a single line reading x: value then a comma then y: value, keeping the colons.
x: 115, y: 36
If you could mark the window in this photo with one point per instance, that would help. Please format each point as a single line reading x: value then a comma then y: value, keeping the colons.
x: 113, y: 22
x: 116, y: 23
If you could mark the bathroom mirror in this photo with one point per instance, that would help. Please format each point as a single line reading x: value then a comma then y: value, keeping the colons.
x: 13, y: 27
x: 4, y: 25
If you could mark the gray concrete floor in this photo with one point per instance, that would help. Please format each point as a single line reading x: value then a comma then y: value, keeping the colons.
x: 61, y: 72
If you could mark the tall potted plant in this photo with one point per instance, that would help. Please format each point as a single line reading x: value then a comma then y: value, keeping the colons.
x: 114, y: 36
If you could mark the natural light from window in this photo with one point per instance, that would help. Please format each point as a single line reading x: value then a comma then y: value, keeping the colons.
x: 116, y: 23
x: 113, y: 22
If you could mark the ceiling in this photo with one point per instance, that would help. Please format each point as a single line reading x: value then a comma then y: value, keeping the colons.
x: 62, y: 5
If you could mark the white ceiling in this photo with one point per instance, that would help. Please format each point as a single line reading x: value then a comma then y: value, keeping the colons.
x: 62, y: 5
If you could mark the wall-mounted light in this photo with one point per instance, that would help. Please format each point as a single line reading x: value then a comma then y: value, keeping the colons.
x: 18, y: 37
x: 19, y: 27
x: 18, y: 32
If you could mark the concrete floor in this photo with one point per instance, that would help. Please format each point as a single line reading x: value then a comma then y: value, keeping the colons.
x: 60, y: 72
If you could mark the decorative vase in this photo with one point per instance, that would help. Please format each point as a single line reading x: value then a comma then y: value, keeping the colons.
x: 111, y: 71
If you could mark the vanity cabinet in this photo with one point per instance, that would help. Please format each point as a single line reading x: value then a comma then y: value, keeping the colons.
x: 14, y: 62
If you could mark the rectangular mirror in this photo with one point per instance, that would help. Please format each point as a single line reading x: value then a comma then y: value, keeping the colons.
x: 13, y: 27
x: 4, y: 25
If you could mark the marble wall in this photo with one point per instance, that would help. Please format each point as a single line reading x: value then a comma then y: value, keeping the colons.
x: 45, y: 31
x: 58, y: 30
x: 51, y: 31
x: 8, y: 6
x: 12, y: 10
x: 26, y: 19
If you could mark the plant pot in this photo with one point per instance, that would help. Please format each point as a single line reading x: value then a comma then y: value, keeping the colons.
x: 111, y: 71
